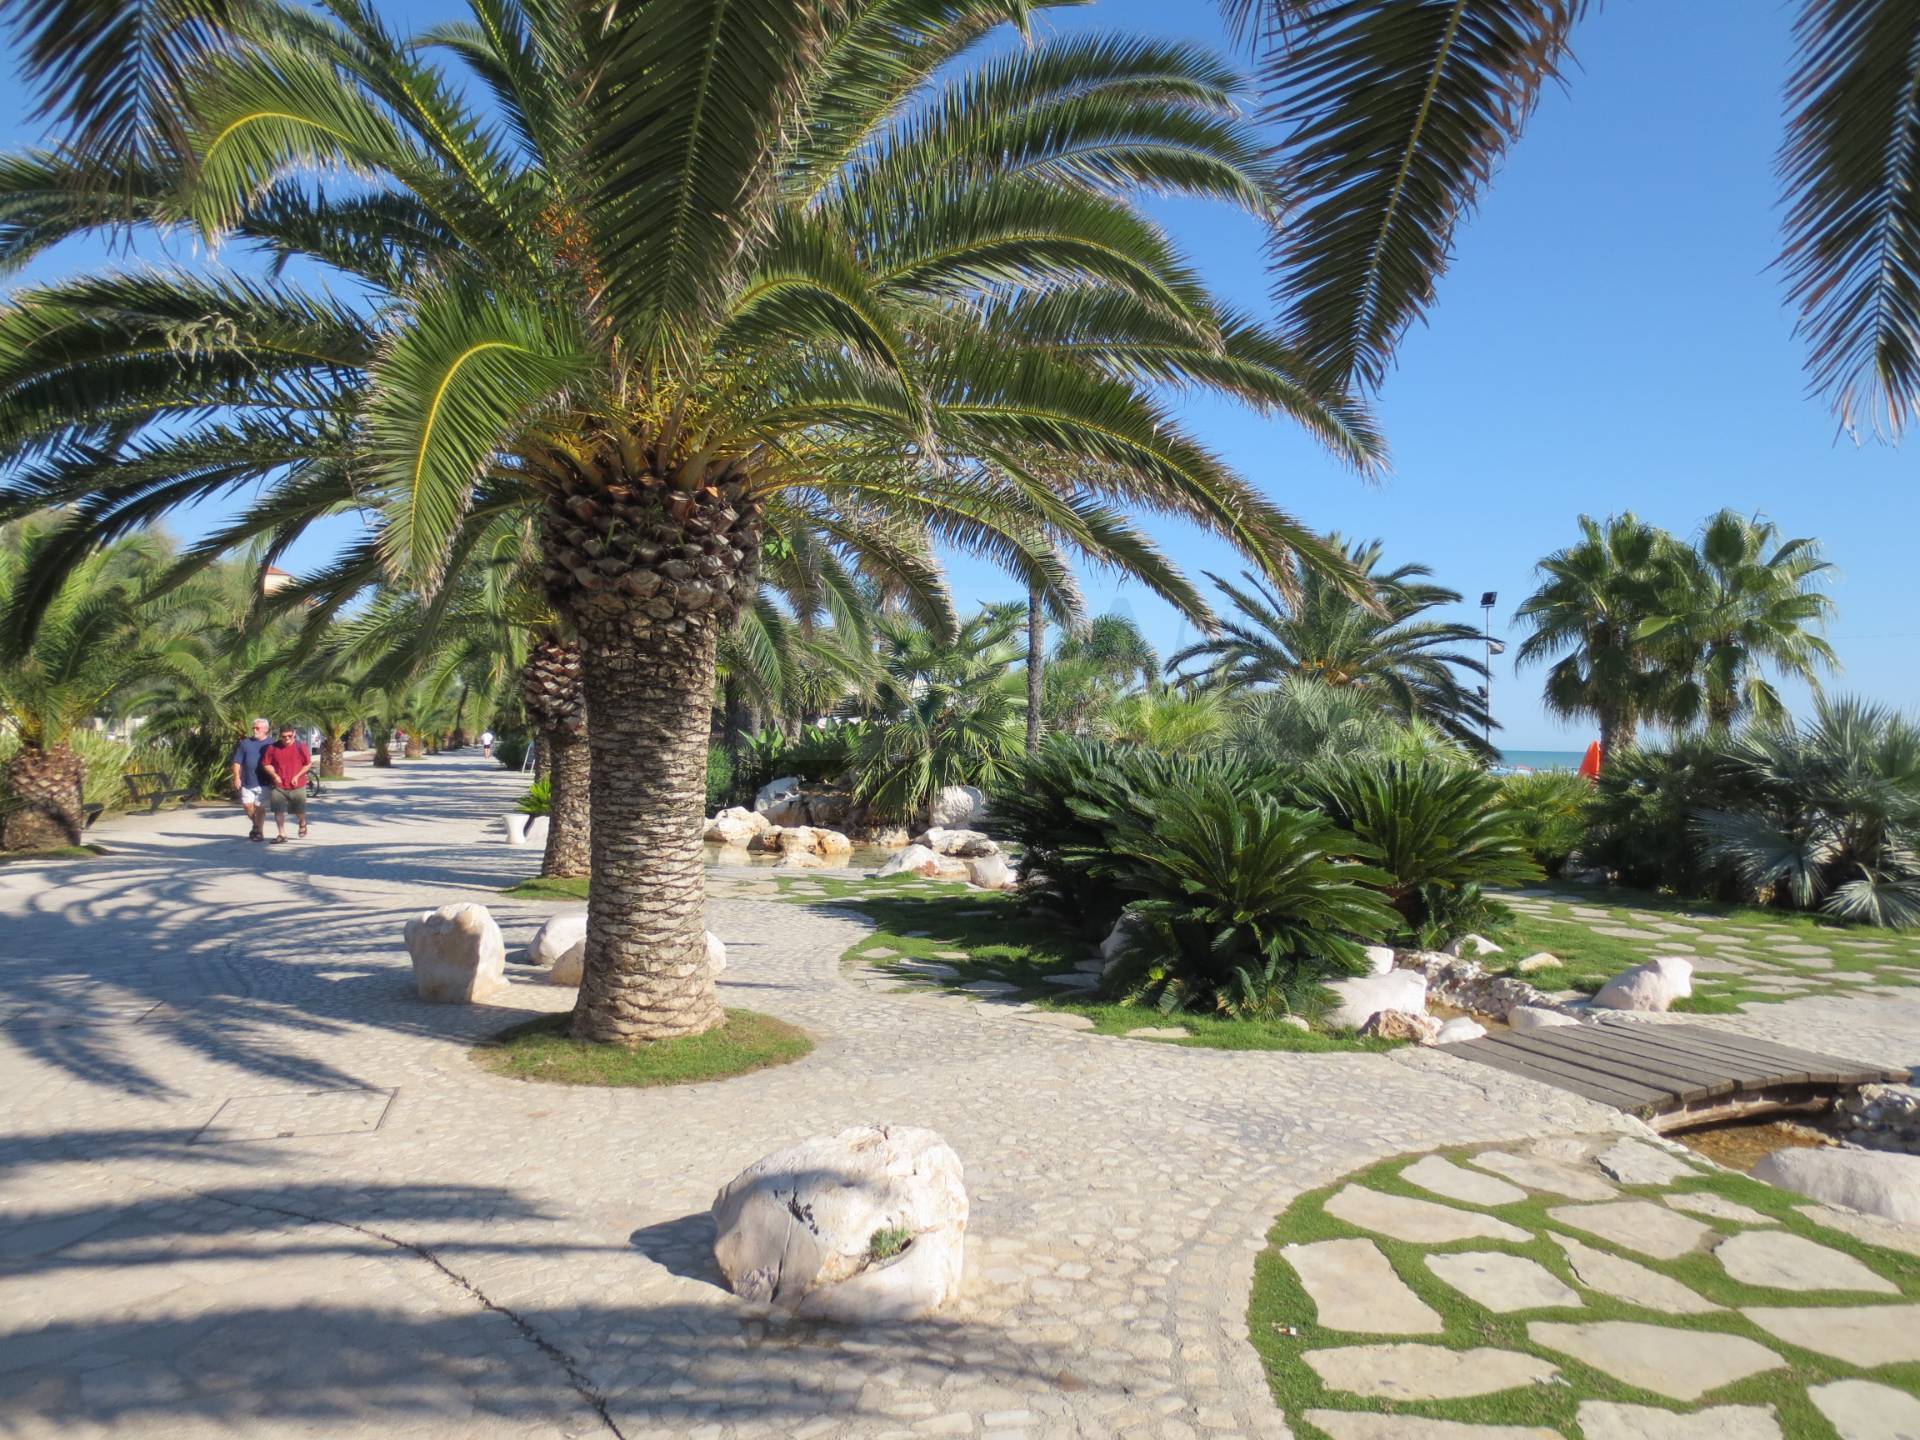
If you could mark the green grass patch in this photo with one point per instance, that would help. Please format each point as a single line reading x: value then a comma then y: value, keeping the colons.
x: 542, y: 1050
x: 540, y: 887
x: 985, y: 936
x: 1284, y: 1326
x: 59, y: 852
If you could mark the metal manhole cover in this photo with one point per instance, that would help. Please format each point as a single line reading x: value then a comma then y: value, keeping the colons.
x: 297, y: 1114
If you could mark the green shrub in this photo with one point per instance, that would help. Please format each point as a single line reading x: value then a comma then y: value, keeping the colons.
x: 511, y: 750
x: 762, y: 755
x: 1549, y: 811
x: 1642, y: 819
x: 719, y: 778
x: 824, y: 754
x: 1250, y: 906
x: 1434, y: 827
x: 539, y: 798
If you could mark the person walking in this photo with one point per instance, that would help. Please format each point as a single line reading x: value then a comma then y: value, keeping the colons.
x: 250, y: 782
x: 486, y: 744
x: 285, y: 766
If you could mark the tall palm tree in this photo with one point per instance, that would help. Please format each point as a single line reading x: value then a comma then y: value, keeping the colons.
x: 704, y: 271
x: 1399, y: 112
x: 1377, y: 645
x: 1597, y: 609
x: 1091, y: 667
x: 1748, y: 599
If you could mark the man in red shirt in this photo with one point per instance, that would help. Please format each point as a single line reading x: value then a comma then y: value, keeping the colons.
x: 286, y: 764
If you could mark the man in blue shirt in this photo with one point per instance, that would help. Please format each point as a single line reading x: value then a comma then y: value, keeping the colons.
x: 249, y: 781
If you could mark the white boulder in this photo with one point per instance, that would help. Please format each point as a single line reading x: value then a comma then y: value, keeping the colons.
x: 779, y: 800
x: 869, y: 1224
x: 1402, y: 1025
x: 991, y: 872
x: 956, y: 806
x: 1459, y: 1029
x: 559, y: 935
x: 1365, y: 996
x: 458, y: 955
x: 1537, y: 1017
x: 801, y: 860
x: 964, y: 844
x: 1379, y: 959
x: 716, y: 953
x: 1652, y: 986
x: 1866, y: 1180
x: 1468, y: 946
x: 914, y: 860
x: 726, y: 829
x: 1533, y: 964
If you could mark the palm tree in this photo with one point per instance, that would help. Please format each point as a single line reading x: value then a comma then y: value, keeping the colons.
x: 1597, y: 608
x: 1748, y: 599
x: 1377, y: 646
x: 1093, y: 666
x: 92, y: 646
x: 704, y: 273
x: 1399, y: 112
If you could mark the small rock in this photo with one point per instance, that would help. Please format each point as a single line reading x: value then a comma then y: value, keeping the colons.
x: 458, y: 955
x: 914, y: 860
x: 1158, y: 1032
x: 1652, y: 986
x: 1536, y: 1017
x: 559, y: 935
x: 1379, y: 959
x: 1469, y: 946
x: 990, y: 872
x: 1365, y: 996
x: 956, y: 807
x: 1536, y: 963
x: 1399, y: 1025
x: 1459, y: 1030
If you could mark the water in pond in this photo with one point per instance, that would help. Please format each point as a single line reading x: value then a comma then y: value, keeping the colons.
x: 1740, y: 1144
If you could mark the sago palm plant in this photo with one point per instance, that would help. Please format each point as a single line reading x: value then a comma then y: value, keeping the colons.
x: 701, y: 273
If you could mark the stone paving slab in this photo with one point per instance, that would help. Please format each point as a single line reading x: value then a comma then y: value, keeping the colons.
x: 1351, y: 1425
x: 1863, y: 1335
x: 1607, y: 1420
x: 1353, y: 1287
x: 1503, y: 1283
x: 1456, y: 1182
x: 1684, y: 1364
x: 1779, y: 1261
x: 1626, y: 1280
x: 1866, y: 1410
x: 1418, y: 1221
x: 1426, y: 1372
x: 1635, y: 1225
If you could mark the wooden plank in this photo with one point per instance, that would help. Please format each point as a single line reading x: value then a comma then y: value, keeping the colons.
x: 1619, y: 1073
x: 1754, y: 1044
x: 1686, y: 1054
x: 1589, y: 1088
x: 1551, y: 1059
x: 1794, y: 1063
x: 1702, y: 1079
x: 1779, y: 1061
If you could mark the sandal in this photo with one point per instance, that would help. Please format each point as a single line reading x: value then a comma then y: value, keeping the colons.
x: 278, y: 840
x: 303, y: 832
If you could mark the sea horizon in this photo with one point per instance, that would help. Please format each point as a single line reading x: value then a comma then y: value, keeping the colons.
x: 1543, y: 759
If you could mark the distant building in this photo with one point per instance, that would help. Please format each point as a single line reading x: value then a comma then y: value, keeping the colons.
x: 273, y: 580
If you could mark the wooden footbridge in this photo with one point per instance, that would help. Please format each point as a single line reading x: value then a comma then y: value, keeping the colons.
x: 1675, y: 1076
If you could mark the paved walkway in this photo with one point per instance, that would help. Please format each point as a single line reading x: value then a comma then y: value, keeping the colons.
x: 249, y: 1185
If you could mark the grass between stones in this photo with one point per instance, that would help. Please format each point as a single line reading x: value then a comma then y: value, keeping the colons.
x: 1855, y: 955
x: 541, y: 888
x: 1281, y: 1317
x: 983, y: 936
x: 541, y: 1050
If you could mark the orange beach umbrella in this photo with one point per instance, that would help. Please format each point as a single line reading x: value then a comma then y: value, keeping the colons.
x: 1590, y: 764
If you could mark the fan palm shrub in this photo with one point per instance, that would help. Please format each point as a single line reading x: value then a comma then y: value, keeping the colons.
x: 1549, y: 813
x: 1373, y: 639
x: 1833, y: 818
x: 699, y: 274
x: 1302, y: 721
x: 1249, y: 907
x: 1437, y: 831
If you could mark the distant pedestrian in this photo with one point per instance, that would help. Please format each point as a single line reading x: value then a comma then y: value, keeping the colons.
x: 286, y: 766
x: 486, y: 744
x: 250, y: 782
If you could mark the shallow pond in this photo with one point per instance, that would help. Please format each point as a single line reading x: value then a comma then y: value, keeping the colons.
x: 1740, y: 1144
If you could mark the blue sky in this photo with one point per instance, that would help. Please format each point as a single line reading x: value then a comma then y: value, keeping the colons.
x: 1610, y: 337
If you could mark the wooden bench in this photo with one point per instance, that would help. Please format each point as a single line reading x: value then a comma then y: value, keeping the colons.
x: 150, y: 787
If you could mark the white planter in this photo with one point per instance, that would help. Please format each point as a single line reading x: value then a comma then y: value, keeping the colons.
x: 517, y: 823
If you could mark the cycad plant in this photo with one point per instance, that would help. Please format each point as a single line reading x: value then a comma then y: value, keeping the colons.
x: 1833, y: 822
x: 702, y: 272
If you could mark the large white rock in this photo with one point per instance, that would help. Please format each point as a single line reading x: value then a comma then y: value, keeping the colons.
x: 1379, y: 959
x: 965, y: 844
x: 1537, y: 1017
x: 991, y: 872
x: 1468, y: 946
x: 458, y: 955
x: 559, y: 935
x: 726, y: 829
x: 956, y: 806
x: 752, y: 818
x: 1652, y: 986
x: 914, y: 860
x: 796, y: 1229
x: 1865, y: 1180
x: 567, y: 968
x: 1367, y: 995
x: 779, y: 801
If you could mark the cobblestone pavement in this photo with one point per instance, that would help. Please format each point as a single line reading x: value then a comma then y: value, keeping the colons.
x: 249, y: 1185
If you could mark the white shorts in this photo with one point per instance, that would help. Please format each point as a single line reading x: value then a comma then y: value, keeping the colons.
x: 250, y: 794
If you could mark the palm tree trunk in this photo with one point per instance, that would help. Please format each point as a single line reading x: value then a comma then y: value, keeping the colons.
x: 539, y: 757
x: 45, y: 787
x: 414, y: 749
x: 383, y: 750
x: 1036, y: 642
x: 357, y: 735
x: 646, y: 975
x: 333, y: 758
x: 569, y: 815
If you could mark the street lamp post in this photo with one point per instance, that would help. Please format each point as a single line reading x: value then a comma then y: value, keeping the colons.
x: 1488, y: 599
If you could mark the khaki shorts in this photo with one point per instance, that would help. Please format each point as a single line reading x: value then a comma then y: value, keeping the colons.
x: 294, y: 800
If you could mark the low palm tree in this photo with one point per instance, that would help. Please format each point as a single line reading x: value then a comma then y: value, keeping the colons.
x: 1379, y: 644
x: 1092, y: 667
x: 1748, y: 599
x: 703, y: 272
x: 1598, y: 609
x: 1399, y: 113
x: 93, y: 646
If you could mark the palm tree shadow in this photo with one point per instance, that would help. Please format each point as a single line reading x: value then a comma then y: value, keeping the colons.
x: 682, y: 1247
